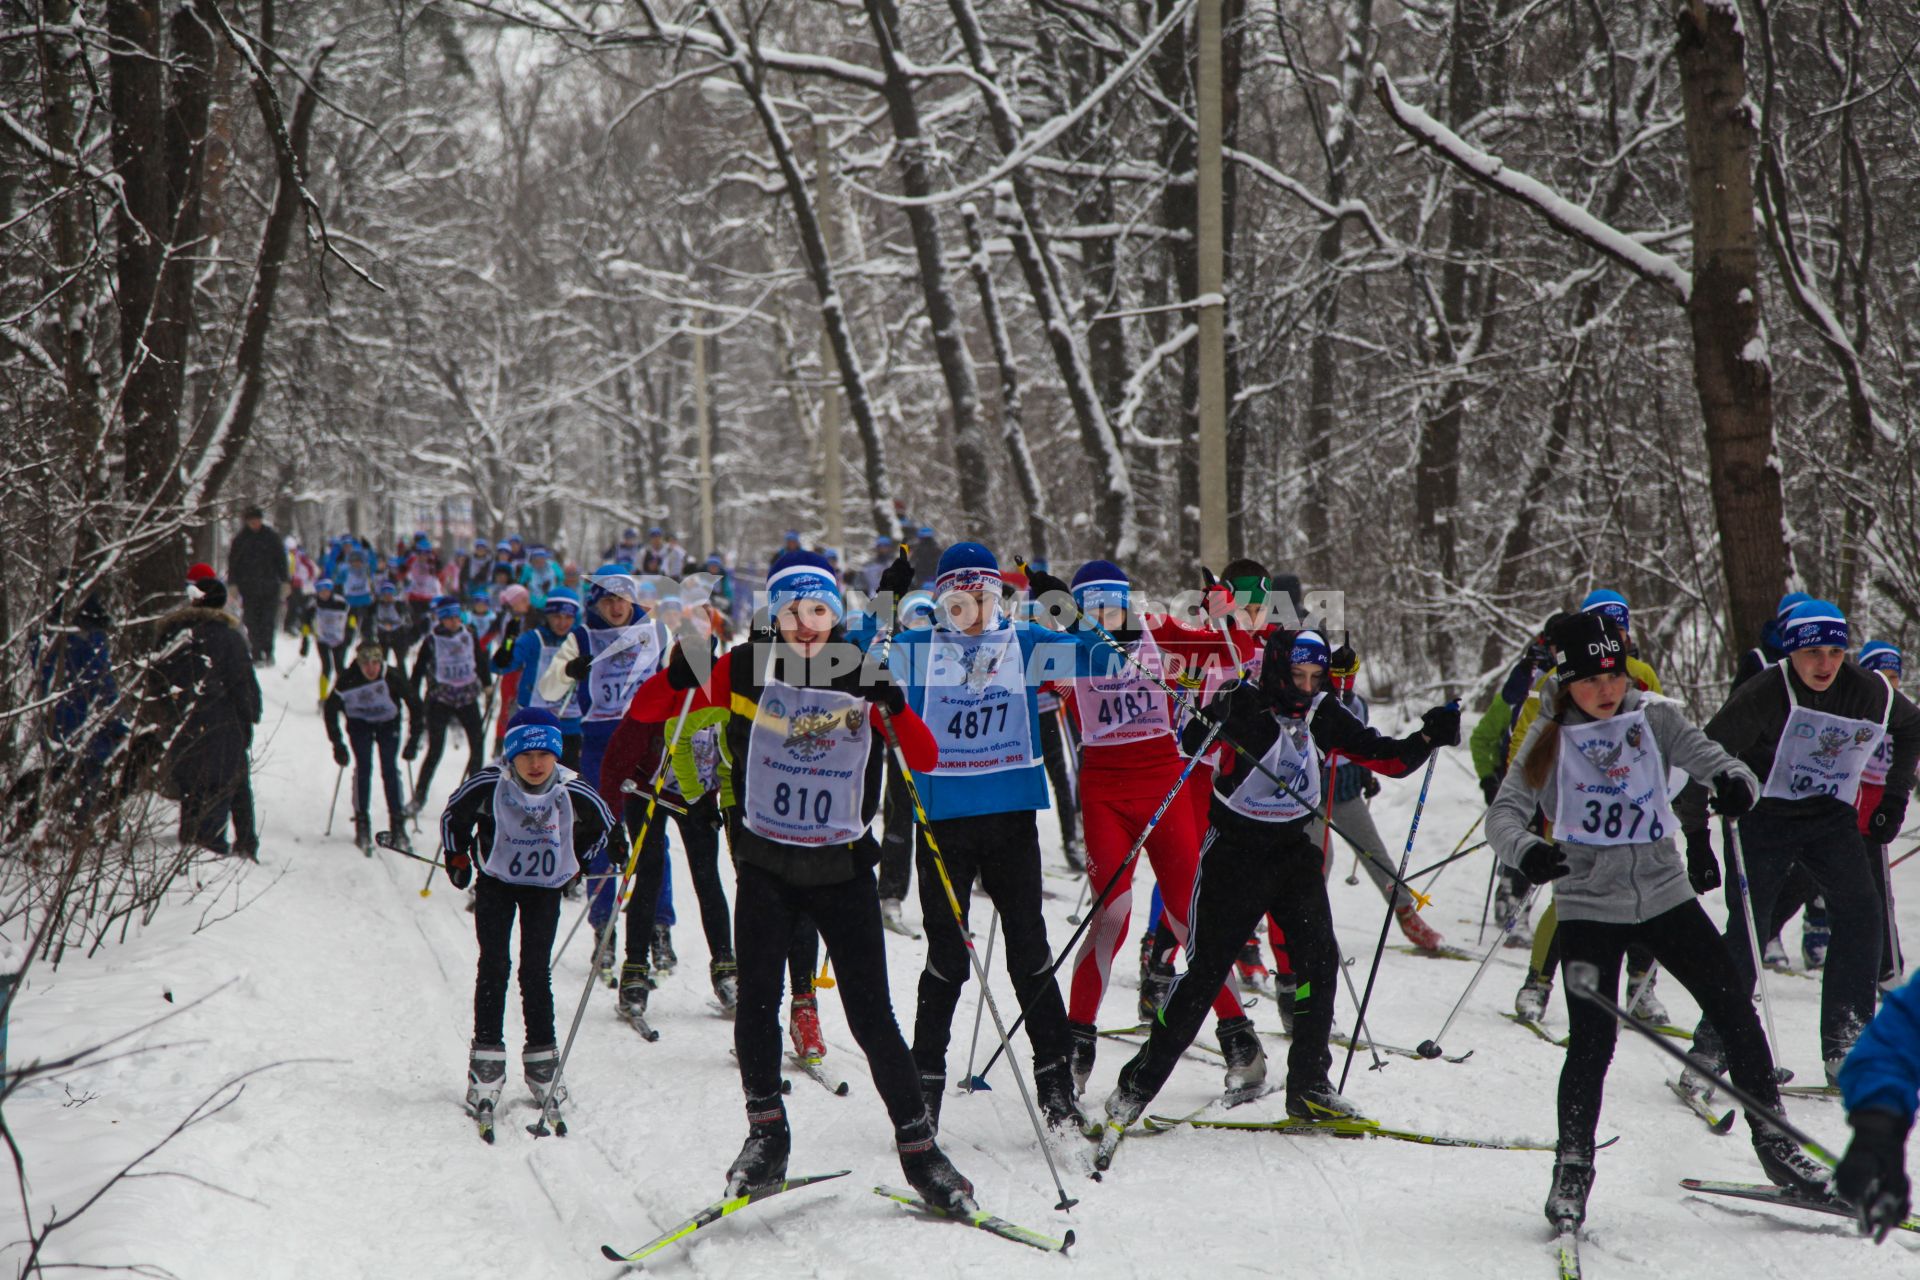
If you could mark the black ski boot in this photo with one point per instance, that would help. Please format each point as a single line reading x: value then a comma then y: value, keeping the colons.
x: 1286, y: 989
x: 363, y: 833
x: 486, y: 1076
x: 929, y: 1172
x: 1156, y: 981
x: 1787, y: 1165
x: 1319, y: 1101
x: 1126, y: 1102
x: 726, y: 983
x: 540, y: 1065
x: 634, y: 985
x: 1566, y: 1206
x: 763, y: 1157
x: 1246, y: 1060
x: 1084, y: 1037
x: 1053, y: 1082
x: 1708, y: 1048
x: 664, y: 960
x: 398, y: 836
x: 933, y: 1090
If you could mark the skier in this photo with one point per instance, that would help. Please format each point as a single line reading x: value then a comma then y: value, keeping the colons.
x: 419, y: 570
x: 1595, y: 762
x: 600, y: 664
x: 1769, y: 652
x: 476, y: 570
x: 1129, y: 761
x: 1258, y: 861
x: 302, y: 572
x: 1492, y: 738
x: 370, y: 694
x: 1878, y: 655
x: 1879, y: 1085
x: 540, y: 576
x: 449, y: 665
x: 807, y: 759
x: 1809, y: 731
x: 329, y: 623
x: 530, y: 823
x: 392, y: 625
x: 967, y: 678
x: 523, y: 661
x: 354, y: 571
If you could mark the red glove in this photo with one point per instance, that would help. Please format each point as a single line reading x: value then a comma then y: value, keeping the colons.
x: 459, y: 870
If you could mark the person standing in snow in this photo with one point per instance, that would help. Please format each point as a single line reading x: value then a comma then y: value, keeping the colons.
x: 257, y: 567
x: 370, y: 695
x: 207, y: 674
x: 530, y: 824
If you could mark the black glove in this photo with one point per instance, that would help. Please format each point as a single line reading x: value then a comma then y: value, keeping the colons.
x: 680, y: 673
x: 1044, y: 584
x: 341, y: 756
x: 579, y: 665
x: 1888, y: 817
x: 706, y: 809
x: 1732, y: 795
x: 1343, y: 666
x: 897, y: 578
x: 412, y: 748
x: 1369, y: 783
x: 1703, y: 869
x: 1441, y: 725
x: 1490, y: 786
x: 304, y: 642
x: 459, y: 870
x: 1543, y: 862
x: 1872, y: 1176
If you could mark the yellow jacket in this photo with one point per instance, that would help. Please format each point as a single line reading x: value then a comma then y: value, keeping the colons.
x: 1641, y: 673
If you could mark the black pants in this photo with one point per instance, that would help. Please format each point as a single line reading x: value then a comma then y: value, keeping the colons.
x: 1685, y: 943
x: 260, y: 614
x: 896, y: 846
x: 494, y: 902
x: 367, y: 736
x: 439, y: 715
x: 1055, y: 746
x: 246, y: 822
x: 1892, y: 963
x: 701, y: 844
x: 766, y: 912
x: 1827, y: 845
x: 1242, y: 879
x: 208, y: 768
x: 1002, y: 851
x: 333, y: 661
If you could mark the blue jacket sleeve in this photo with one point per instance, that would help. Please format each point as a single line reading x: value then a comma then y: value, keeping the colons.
x: 1883, y: 1071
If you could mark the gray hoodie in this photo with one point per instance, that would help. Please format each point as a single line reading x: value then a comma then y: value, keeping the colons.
x: 1613, y: 884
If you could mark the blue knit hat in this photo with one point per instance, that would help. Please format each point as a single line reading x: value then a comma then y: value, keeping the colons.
x: 611, y: 580
x: 1100, y: 583
x: 325, y: 584
x: 966, y: 566
x: 1788, y: 602
x: 532, y: 729
x: 804, y: 575
x: 1878, y: 655
x: 562, y: 600
x: 445, y: 607
x: 1309, y: 649
x: 1814, y: 624
x: 1608, y: 604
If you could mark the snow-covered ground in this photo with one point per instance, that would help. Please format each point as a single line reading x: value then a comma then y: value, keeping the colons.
x: 347, y: 1154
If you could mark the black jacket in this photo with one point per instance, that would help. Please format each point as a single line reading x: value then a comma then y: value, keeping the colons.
x: 466, y: 824
x: 207, y: 669
x: 257, y: 558
x: 353, y: 678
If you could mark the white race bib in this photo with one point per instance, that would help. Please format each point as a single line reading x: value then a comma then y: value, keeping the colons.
x: 1874, y: 772
x: 976, y: 702
x: 372, y: 702
x: 562, y: 707
x: 807, y: 766
x: 1293, y: 759
x: 532, y: 834
x: 1124, y: 707
x: 330, y: 625
x: 453, y: 659
x: 1612, y: 784
x: 1821, y: 754
x: 623, y: 658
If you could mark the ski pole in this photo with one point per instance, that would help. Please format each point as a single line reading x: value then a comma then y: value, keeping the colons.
x: 1431, y: 1048
x: 1413, y: 829
x: 334, y: 803
x: 1731, y: 832
x: 1360, y: 1017
x: 1903, y: 857
x: 577, y: 921
x: 604, y: 934
x: 1493, y: 873
x: 1456, y: 850
x: 824, y: 978
x: 1073, y: 916
x: 1475, y: 847
x: 979, y: 970
x: 1353, y: 872
x: 980, y: 1007
x: 1326, y: 832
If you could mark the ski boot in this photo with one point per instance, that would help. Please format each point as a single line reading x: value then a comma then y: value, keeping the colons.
x: 763, y: 1157
x: 1246, y: 1060
x: 1319, y: 1101
x: 1710, y: 1051
x: 363, y: 833
x: 1286, y: 990
x: 541, y: 1065
x: 929, y: 1172
x: 933, y: 1091
x: 1252, y: 970
x: 1125, y: 1103
x: 1146, y: 973
x: 1787, y: 1165
x: 1815, y: 934
x: 634, y: 986
x: 803, y: 1028
x: 1566, y: 1205
x: 1510, y: 908
x: 1418, y: 931
x: 1773, y: 955
x: 398, y: 839
x: 486, y: 1077
x: 1530, y: 1002
x: 1156, y: 982
x: 1083, y: 1039
x: 664, y: 959
x: 1076, y: 858
x: 890, y: 918
x: 1053, y: 1083
x: 725, y: 975
x: 1642, y: 1003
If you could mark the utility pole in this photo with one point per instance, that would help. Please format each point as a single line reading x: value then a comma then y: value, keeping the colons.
x: 703, y: 425
x: 829, y: 366
x: 1212, y: 303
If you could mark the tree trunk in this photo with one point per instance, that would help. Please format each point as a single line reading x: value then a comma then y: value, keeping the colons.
x: 949, y: 342
x: 1731, y: 371
x: 1012, y: 430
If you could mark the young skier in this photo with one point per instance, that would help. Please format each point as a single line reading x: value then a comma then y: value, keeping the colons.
x: 807, y: 759
x: 540, y: 576
x: 369, y: 695
x: 531, y: 824
x: 328, y: 623
x: 525, y: 659
x: 450, y: 667
x: 1595, y: 763
x: 391, y: 624
x: 967, y: 677
x: 1809, y: 730
x: 1258, y: 861
x: 420, y: 572
x: 1880, y: 1084
x: 357, y: 577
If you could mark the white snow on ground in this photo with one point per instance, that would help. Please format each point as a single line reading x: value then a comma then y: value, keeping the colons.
x: 348, y: 1155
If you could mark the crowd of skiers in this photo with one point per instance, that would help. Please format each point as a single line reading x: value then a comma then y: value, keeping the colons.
x: 917, y: 713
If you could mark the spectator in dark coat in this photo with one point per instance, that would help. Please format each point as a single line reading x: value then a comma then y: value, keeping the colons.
x: 205, y: 671
x: 257, y: 565
x: 75, y: 670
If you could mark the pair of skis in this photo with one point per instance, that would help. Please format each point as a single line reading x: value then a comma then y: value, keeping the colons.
x: 729, y: 1205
